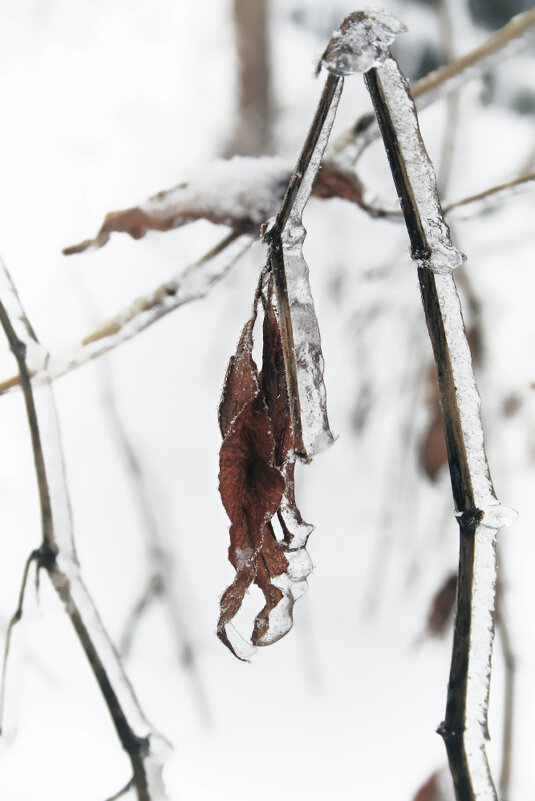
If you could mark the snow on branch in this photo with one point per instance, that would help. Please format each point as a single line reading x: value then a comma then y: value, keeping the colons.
x: 241, y: 193
x: 56, y: 555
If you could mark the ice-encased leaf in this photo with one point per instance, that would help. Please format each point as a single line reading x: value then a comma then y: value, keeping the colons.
x: 362, y: 41
x: 256, y: 479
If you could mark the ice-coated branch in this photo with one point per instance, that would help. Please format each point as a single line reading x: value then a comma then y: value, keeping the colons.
x: 300, y: 336
x: 518, y: 34
x: 57, y: 554
x: 479, y: 513
x: 191, y: 284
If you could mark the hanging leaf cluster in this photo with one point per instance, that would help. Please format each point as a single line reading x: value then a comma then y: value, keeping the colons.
x: 256, y: 483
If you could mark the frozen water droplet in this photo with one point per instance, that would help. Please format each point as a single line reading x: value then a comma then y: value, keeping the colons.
x: 361, y: 42
x: 498, y: 516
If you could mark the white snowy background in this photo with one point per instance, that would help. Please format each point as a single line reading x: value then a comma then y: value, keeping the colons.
x: 103, y: 104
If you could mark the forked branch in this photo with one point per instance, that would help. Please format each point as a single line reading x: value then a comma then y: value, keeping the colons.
x: 57, y: 554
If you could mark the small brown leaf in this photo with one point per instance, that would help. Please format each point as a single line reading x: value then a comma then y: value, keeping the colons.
x: 441, y: 609
x: 438, y: 787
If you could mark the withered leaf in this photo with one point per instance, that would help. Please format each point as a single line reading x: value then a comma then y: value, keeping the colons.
x: 255, y: 482
x: 438, y: 787
x: 429, y: 790
x: 251, y: 190
x: 441, y: 609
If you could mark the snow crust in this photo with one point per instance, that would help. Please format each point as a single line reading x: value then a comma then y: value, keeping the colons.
x: 362, y: 41
x: 240, y: 187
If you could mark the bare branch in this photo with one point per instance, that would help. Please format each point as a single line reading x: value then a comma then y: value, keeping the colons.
x: 15, y: 618
x: 479, y: 513
x: 191, y: 284
x: 57, y: 554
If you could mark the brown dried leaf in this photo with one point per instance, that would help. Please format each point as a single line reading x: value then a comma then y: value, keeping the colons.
x: 430, y: 790
x: 255, y: 482
x: 251, y: 486
x: 331, y: 181
x: 241, y: 379
x: 274, y: 387
x: 438, y: 787
x: 240, y: 192
x: 243, y: 196
x: 441, y: 609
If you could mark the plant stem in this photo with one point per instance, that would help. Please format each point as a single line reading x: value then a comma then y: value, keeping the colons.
x: 479, y: 514
x: 57, y: 553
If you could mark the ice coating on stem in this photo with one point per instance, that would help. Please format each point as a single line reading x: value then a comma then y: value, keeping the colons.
x: 351, y: 144
x: 58, y: 539
x: 443, y: 256
x: 307, y: 347
x: 466, y: 392
x: 306, y: 335
x: 495, y: 515
x: 362, y: 41
x: 481, y: 633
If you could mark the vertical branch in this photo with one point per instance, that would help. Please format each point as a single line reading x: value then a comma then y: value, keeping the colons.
x: 57, y: 554
x: 254, y: 118
x: 478, y: 511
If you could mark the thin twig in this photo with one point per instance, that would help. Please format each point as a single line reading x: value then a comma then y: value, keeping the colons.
x: 509, y: 702
x: 494, y: 192
x: 191, y: 284
x: 163, y: 581
x: 123, y: 791
x: 479, y: 513
x: 452, y: 100
x: 57, y: 553
x: 15, y: 618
